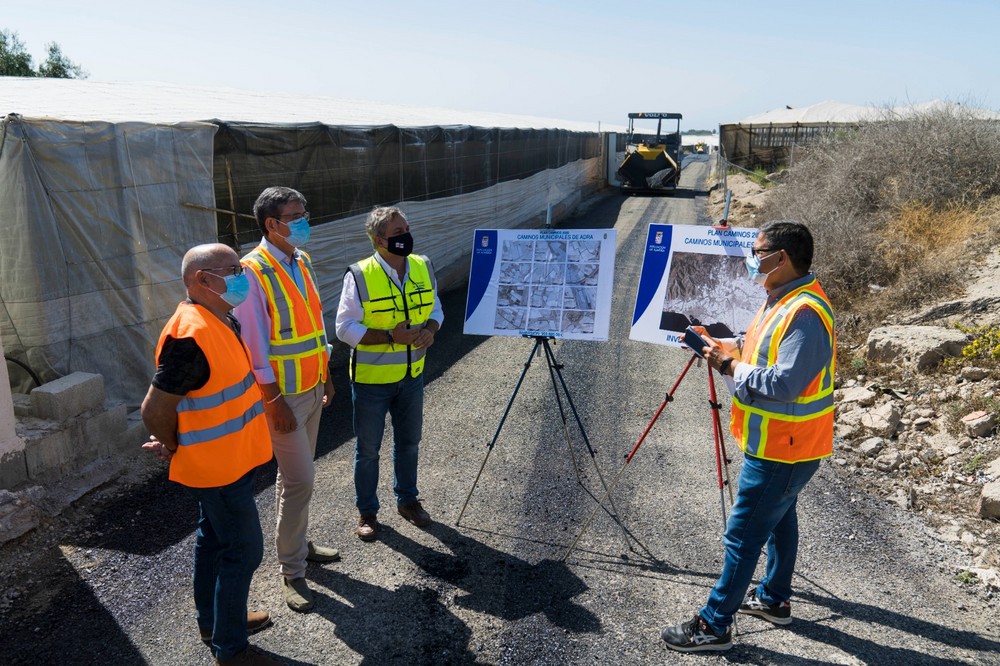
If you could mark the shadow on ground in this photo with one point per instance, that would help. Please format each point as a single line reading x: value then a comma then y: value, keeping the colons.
x: 63, y: 614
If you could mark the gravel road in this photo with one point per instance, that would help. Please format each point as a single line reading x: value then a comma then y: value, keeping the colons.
x: 108, y: 582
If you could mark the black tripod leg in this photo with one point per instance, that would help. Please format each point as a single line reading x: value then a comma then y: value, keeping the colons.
x: 496, y: 435
x: 556, y: 370
x: 553, y: 369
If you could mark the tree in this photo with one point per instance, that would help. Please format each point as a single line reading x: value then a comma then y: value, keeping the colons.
x: 58, y: 66
x: 14, y: 59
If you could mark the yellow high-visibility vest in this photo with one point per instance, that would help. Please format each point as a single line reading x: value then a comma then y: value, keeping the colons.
x: 298, y: 351
x: 802, y: 429
x: 385, y: 306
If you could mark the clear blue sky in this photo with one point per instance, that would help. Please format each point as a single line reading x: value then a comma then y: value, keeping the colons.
x: 715, y: 62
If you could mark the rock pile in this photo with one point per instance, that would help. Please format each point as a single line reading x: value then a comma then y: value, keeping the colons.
x: 919, y: 436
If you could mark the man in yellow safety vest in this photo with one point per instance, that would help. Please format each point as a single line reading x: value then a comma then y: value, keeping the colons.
x: 389, y: 313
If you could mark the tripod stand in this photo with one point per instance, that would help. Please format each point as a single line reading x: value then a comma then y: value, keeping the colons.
x: 721, y: 458
x: 555, y: 371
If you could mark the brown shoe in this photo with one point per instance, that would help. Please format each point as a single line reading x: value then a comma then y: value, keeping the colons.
x: 367, y: 528
x: 415, y: 513
x: 249, y: 657
x: 322, y: 553
x: 256, y: 620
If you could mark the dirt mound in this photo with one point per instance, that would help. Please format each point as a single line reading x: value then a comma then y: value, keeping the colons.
x: 747, y: 201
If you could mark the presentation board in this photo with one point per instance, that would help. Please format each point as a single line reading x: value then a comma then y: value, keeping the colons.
x: 694, y: 275
x: 552, y: 282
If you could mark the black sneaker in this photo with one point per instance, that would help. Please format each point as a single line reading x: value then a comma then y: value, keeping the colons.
x: 780, y: 613
x: 696, y: 636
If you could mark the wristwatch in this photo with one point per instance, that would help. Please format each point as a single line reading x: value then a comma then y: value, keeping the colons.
x: 724, y: 366
x: 388, y: 338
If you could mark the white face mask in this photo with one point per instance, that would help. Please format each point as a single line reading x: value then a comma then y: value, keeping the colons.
x: 753, y: 267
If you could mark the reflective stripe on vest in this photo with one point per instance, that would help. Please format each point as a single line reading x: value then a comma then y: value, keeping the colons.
x: 229, y: 427
x: 221, y: 430
x: 298, y: 346
x: 795, y: 431
x: 384, y: 307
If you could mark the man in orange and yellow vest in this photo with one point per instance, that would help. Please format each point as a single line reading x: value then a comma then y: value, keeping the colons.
x: 389, y: 313
x: 282, y: 321
x: 782, y: 418
x: 205, y: 416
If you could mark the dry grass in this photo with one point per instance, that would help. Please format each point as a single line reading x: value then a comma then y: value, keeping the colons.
x: 926, y: 251
x: 898, y: 209
x: 918, y: 232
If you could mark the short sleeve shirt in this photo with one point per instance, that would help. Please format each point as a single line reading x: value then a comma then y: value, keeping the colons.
x: 182, y: 366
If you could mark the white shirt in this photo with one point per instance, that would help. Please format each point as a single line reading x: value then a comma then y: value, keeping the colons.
x: 350, y: 312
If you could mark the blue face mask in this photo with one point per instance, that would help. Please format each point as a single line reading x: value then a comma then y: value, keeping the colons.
x: 237, y: 289
x: 299, y: 231
x: 753, y: 268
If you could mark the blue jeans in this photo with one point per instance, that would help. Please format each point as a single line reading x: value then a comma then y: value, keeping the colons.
x: 404, y: 402
x: 228, y: 548
x: 764, y: 512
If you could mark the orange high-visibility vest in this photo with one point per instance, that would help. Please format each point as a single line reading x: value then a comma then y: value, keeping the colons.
x: 298, y: 351
x: 385, y: 306
x: 794, y: 431
x: 221, y: 429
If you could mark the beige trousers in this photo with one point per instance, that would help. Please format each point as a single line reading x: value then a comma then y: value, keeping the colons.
x: 293, y: 488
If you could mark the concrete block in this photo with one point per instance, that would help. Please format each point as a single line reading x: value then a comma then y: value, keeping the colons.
x: 22, y: 405
x: 83, y: 450
x: 49, y: 455
x: 135, y: 433
x: 103, y: 430
x: 68, y: 396
x: 72, y: 487
x: 13, y: 470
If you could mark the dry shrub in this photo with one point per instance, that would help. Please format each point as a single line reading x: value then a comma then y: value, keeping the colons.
x: 919, y: 230
x: 928, y: 251
x: 894, y: 203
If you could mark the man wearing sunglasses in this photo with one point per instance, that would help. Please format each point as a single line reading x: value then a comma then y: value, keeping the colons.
x: 389, y: 313
x: 782, y: 418
x: 282, y: 320
x: 204, y: 412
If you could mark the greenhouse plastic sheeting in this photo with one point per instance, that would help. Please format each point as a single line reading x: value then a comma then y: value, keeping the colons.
x: 93, y: 237
x: 95, y: 225
x: 443, y: 228
x: 346, y: 171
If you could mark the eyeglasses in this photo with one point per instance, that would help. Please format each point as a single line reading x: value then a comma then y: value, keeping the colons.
x: 757, y: 252
x: 294, y: 216
x: 226, y: 270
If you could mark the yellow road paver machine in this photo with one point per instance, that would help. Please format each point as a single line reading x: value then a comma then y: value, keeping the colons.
x: 652, y: 163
